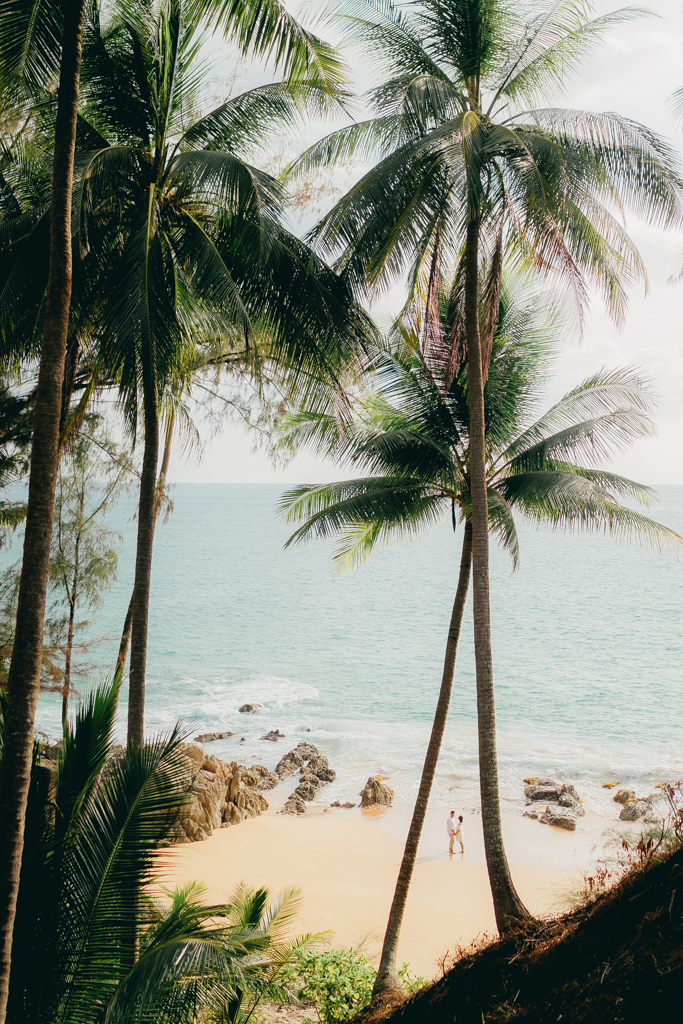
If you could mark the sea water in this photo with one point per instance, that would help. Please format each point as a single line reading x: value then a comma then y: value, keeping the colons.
x: 587, y: 649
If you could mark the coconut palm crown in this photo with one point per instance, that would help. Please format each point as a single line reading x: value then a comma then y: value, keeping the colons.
x: 412, y: 435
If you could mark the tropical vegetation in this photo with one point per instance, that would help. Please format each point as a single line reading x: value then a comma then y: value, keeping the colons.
x: 92, y: 940
x: 412, y: 435
x: 148, y: 261
x: 474, y: 170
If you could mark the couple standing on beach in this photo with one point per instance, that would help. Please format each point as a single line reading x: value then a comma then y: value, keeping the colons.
x: 454, y: 829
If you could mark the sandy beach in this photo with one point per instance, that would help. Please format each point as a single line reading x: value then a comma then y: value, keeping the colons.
x: 346, y: 863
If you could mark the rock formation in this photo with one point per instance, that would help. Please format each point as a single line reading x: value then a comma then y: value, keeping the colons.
x: 569, y: 798
x: 558, y: 820
x: 221, y: 794
x: 375, y: 793
x: 209, y: 737
x: 294, y: 805
x: 564, y: 795
x: 542, y: 789
x: 641, y: 809
x: 274, y: 735
x: 248, y: 709
x: 622, y: 796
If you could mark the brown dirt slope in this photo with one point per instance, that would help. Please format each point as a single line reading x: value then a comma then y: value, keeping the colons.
x: 618, y: 959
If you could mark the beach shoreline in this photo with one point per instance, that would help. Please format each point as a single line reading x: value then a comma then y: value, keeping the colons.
x: 346, y: 863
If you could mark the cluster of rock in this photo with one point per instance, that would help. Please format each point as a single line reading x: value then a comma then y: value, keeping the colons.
x: 375, y: 793
x: 569, y: 805
x: 209, y: 737
x: 314, y: 769
x: 637, y: 808
x: 221, y: 794
x: 346, y: 805
x: 274, y: 735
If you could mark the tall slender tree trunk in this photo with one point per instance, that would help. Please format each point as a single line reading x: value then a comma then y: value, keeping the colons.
x: 24, y: 674
x: 125, y: 637
x: 507, y: 904
x: 160, y: 488
x: 66, y: 688
x: 143, y: 572
x: 387, y: 975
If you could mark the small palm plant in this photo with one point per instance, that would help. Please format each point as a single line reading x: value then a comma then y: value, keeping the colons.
x: 90, y: 942
x: 412, y: 435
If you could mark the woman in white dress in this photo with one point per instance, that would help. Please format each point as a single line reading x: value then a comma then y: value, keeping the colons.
x: 459, y: 835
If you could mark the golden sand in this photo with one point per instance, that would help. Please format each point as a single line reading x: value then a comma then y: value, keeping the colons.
x: 346, y: 864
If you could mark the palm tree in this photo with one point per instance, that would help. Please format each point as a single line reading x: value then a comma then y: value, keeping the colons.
x: 201, y: 245
x: 38, y: 41
x: 181, y: 236
x: 93, y: 829
x: 413, y: 435
x: 36, y: 44
x: 471, y: 169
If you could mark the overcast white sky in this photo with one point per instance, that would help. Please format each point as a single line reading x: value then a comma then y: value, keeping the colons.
x: 633, y: 74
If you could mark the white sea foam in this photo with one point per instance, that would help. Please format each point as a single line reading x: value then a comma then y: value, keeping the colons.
x: 587, y: 652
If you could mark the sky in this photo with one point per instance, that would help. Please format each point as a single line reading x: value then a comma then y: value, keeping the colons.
x: 633, y: 73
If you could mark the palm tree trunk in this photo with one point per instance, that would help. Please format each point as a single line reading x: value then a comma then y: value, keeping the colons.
x: 125, y: 637
x: 143, y: 572
x: 507, y: 904
x: 66, y: 688
x: 160, y: 488
x: 387, y: 975
x: 24, y: 674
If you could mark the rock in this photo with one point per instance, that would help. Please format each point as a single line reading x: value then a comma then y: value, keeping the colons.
x: 290, y: 763
x: 558, y: 820
x: 347, y: 805
x: 307, y: 750
x: 295, y: 759
x: 294, y: 805
x: 274, y: 735
x: 609, y: 785
x: 545, y: 790
x: 243, y: 739
x: 209, y: 737
x: 375, y: 793
x: 265, y: 779
x: 308, y: 788
x: 320, y: 767
x: 249, y: 709
x: 623, y: 796
x: 194, y: 752
x: 568, y: 797
x: 633, y: 810
x: 220, y: 795
x: 530, y: 814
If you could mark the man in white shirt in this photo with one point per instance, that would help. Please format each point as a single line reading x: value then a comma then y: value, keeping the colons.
x: 451, y: 829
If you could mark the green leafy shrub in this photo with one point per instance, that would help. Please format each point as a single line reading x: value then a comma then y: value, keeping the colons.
x: 338, y: 981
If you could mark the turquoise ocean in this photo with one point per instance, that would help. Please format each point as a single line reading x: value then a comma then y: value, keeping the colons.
x: 587, y: 643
